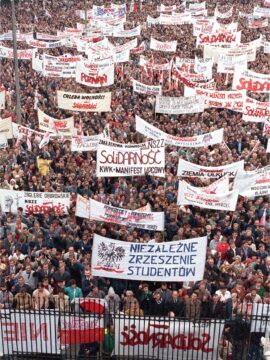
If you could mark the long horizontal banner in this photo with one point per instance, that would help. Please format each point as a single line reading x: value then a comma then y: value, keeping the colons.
x: 95, y: 75
x: 210, y: 51
x: 250, y: 81
x: 253, y: 183
x: 179, y: 75
x: 137, y: 219
x: 219, y: 38
x: 227, y: 64
x: 128, y: 33
x: 22, y: 54
x: 174, y: 19
x: 34, y: 202
x: 44, y: 44
x: 165, y: 8
x: 168, y: 46
x: 100, y: 102
x: 60, y: 66
x: 146, y: 89
x: 115, y: 159
x: 48, y: 123
x: 223, y: 15
x: 85, y: 143
x: 190, y: 195
x: 218, y: 187
x: 187, y: 169
x: 179, y: 105
x: 232, y: 100
x: 181, y: 260
x: 193, y: 340
x: 158, y: 67
x: 153, y: 132
x: 255, y: 111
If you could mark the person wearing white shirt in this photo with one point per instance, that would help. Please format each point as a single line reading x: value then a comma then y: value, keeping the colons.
x: 223, y: 294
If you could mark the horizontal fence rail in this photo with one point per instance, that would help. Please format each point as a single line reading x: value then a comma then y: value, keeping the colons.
x: 97, y: 329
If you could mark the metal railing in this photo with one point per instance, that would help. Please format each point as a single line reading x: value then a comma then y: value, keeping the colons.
x: 91, y: 329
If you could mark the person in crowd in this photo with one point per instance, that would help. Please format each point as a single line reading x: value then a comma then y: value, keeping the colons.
x: 61, y: 301
x: 6, y: 297
x: 193, y: 307
x: 73, y: 291
x: 113, y: 301
x: 40, y: 298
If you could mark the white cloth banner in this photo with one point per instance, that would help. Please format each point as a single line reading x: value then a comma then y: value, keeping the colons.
x: 6, y: 128
x: 190, y: 195
x: 215, y: 51
x: 261, y: 321
x: 174, y: 19
x: 250, y: 81
x: 100, y: 102
x: 42, y: 202
x: 253, y: 183
x: 179, y: 105
x: 220, y: 38
x: 60, y: 66
x: 153, y: 132
x: 261, y: 12
x: 61, y: 126
x: 2, y: 99
x: 138, y: 219
x: 166, y: 8
x: 255, y: 111
x: 223, y: 15
x: 266, y: 45
x: 10, y: 200
x: 232, y: 100
x: 128, y: 33
x: 85, y: 143
x: 122, y: 56
x: 95, y: 75
x: 26, y: 332
x: 22, y: 54
x: 3, y: 142
x: 115, y: 159
x: 158, y: 67
x: 256, y: 24
x: 192, y: 340
x: 168, y: 46
x: 45, y: 45
x: 82, y: 207
x: 179, y: 75
x: 227, y: 64
x: 188, y: 169
x: 203, y: 26
x: 181, y: 260
x: 146, y: 89
x: 132, y: 44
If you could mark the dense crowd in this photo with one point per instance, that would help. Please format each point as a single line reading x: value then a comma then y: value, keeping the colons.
x: 45, y: 259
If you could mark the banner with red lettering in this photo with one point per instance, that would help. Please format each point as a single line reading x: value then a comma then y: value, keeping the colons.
x: 188, y: 169
x: 22, y: 54
x: 179, y: 75
x: 166, y: 8
x: 43, y: 202
x: 61, y: 66
x: 212, y: 138
x: 115, y: 159
x: 193, y: 340
x: 204, y: 26
x: 190, y: 195
x: 255, y: 111
x: 168, y: 46
x: 253, y: 183
x: 151, y: 65
x: 255, y: 24
x: 61, y: 126
x: 250, y: 81
x: 100, y: 102
x: 85, y: 143
x: 224, y: 38
x: 127, y: 33
x: 44, y: 44
x: 81, y: 329
x: 138, y: 219
x: 25, y: 332
x: 232, y: 100
x: 95, y: 75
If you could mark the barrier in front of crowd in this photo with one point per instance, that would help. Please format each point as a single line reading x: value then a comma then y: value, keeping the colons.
x: 88, y: 331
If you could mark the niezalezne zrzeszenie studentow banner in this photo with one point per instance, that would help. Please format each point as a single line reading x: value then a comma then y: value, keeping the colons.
x: 190, y: 195
x: 181, y: 260
x: 115, y: 159
x: 253, y: 183
x: 153, y: 132
x: 100, y: 102
x: 188, y: 169
x: 193, y: 340
x: 179, y: 105
x: 138, y: 219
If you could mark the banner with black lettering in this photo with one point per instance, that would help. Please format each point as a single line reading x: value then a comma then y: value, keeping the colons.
x: 188, y: 169
x: 146, y: 89
x: 193, y: 340
x: 190, y: 195
x: 61, y: 66
x: 42, y: 202
x: 227, y: 64
x: 45, y: 45
x: 100, y: 102
x: 61, y: 126
x: 115, y: 159
x: 168, y: 46
x: 255, y: 111
x: 253, y: 183
x: 181, y: 260
x: 212, y: 138
x: 249, y: 49
x: 175, y: 19
x: 179, y: 105
x: 250, y: 81
x: 138, y: 219
x: 95, y: 75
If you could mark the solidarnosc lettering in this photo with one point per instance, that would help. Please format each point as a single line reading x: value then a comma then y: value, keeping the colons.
x: 130, y: 158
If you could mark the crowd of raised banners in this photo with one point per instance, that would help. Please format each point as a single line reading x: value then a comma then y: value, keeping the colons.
x: 95, y: 68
